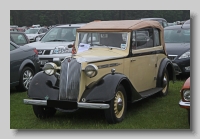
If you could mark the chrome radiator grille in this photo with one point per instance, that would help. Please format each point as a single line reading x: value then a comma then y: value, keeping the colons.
x: 69, y: 79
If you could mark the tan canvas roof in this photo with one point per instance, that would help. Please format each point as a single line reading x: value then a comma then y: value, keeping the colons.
x: 123, y: 25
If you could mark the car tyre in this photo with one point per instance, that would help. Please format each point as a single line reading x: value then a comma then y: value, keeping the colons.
x: 165, y: 84
x: 118, y: 106
x: 25, y: 78
x: 43, y: 112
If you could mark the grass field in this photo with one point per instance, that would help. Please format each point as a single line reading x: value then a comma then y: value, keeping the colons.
x: 150, y: 113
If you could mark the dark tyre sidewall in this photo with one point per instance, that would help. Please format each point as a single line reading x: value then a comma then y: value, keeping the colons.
x: 21, y: 83
x: 110, y: 113
x: 43, y: 112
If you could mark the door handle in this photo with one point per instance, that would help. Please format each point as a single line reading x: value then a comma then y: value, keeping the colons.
x: 132, y: 60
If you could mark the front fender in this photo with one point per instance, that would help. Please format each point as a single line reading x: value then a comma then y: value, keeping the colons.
x: 42, y: 86
x: 103, y: 90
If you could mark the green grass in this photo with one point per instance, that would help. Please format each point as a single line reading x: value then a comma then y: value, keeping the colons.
x: 150, y: 113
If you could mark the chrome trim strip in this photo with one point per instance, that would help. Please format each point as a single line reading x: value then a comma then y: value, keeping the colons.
x: 182, y: 103
x: 93, y: 105
x: 35, y: 102
x: 67, y: 78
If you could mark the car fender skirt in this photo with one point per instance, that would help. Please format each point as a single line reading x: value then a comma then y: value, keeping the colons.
x: 103, y: 90
x: 42, y: 86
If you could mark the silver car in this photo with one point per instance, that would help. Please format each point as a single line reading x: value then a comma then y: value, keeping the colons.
x: 34, y: 33
x: 54, y: 44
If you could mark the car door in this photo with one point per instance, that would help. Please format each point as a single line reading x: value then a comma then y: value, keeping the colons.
x: 143, y: 60
x: 16, y: 58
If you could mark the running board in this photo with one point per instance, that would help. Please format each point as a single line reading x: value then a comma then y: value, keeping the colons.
x: 150, y: 92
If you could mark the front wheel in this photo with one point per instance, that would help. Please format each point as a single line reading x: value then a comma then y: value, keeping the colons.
x: 165, y: 83
x: 43, y: 112
x: 118, y: 106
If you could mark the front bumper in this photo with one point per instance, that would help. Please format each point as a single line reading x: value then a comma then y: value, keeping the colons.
x: 66, y: 104
x: 185, y: 105
x: 182, y: 66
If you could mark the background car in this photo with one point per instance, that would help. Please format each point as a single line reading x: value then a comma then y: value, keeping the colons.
x: 24, y: 63
x: 177, y: 42
x: 162, y: 21
x: 19, y: 38
x: 54, y: 44
x: 187, y: 22
x: 185, y: 97
x: 33, y: 33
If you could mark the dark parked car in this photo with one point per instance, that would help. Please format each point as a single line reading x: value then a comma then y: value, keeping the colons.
x: 185, y: 97
x: 177, y: 42
x: 19, y: 38
x: 24, y: 63
x: 162, y: 21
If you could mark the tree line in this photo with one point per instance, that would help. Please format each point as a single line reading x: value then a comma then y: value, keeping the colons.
x: 53, y: 17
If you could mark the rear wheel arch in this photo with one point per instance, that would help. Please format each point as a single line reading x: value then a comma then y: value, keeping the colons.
x: 166, y: 64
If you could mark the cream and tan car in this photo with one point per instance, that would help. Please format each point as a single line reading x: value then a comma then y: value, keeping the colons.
x: 113, y: 63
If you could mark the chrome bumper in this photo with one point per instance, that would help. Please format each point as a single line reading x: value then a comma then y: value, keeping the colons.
x: 79, y: 104
x: 182, y: 103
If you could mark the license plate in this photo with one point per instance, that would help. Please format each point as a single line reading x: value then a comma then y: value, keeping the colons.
x: 42, y: 62
x: 187, y: 68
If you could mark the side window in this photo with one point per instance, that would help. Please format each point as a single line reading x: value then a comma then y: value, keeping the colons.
x: 142, y: 38
x: 40, y: 31
x: 12, y: 47
x: 157, y: 37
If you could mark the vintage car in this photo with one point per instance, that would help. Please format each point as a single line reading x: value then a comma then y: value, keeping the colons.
x: 113, y: 63
x: 185, y: 97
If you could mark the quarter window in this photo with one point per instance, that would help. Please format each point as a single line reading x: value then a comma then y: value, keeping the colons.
x: 156, y: 37
x: 142, y: 38
x: 12, y: 47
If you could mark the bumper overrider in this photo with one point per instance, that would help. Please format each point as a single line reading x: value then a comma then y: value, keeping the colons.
x: 184, y: 104
x: 60, y: 92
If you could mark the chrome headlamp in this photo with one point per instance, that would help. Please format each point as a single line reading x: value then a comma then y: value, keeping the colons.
x: 50, y: 68
x: 186, y: 95
x: 91, y: 70
x: 61, y: 50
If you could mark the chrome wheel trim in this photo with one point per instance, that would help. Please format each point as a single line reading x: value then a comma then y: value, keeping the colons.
x: 119, y: 104
x: 165, y: 80
x: 27, y: 76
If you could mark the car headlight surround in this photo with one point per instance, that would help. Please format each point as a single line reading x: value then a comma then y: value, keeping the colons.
x: 186, y: 95
x: 185, y: 55
x: 61, y: 50
x: 50, y: 68
x: 91, y: 70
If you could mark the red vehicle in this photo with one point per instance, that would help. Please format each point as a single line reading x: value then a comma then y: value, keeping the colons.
x: 185, y: 97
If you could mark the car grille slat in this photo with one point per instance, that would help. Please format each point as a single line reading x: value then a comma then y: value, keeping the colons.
x: 44, y: 52
x: 69, y: 80
x: 172, y: 57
